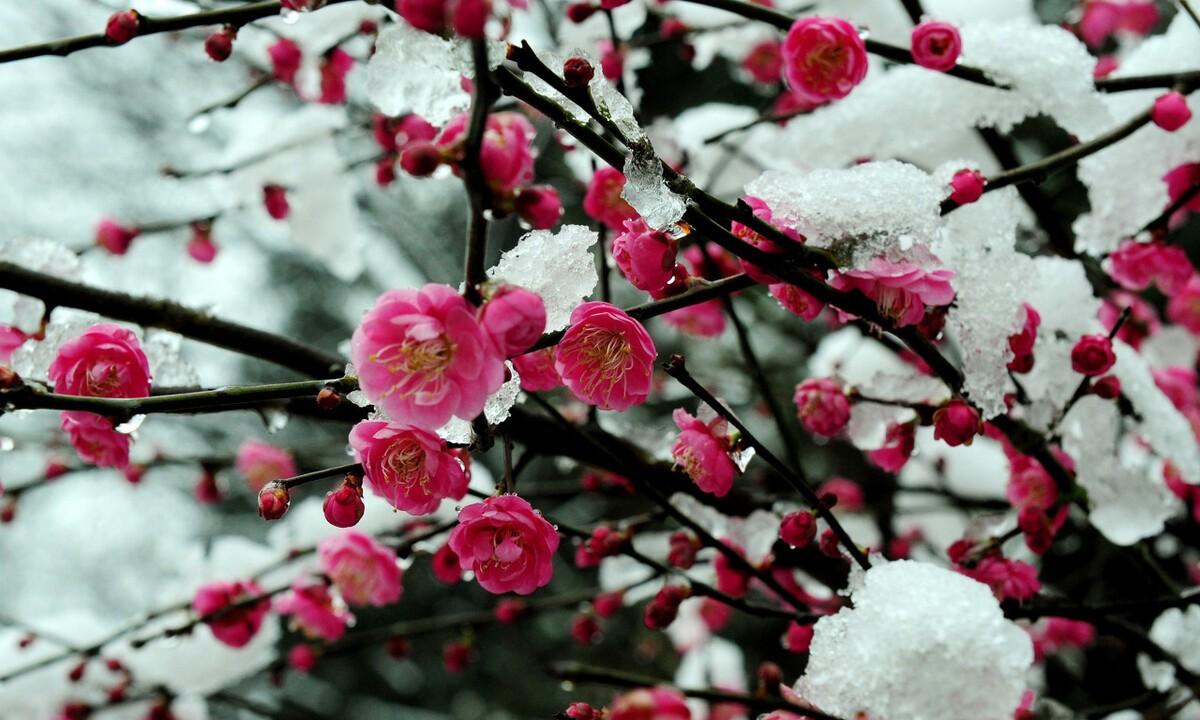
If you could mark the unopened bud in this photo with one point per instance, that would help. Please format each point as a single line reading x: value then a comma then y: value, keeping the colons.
x: 421, y: 158
x: 219, y: 45
x: 344, y: 506
x: 577, y: 72
x: 580, y: 11
x: 122, y: 26
x: 273, y: 501
x: 328, y: 399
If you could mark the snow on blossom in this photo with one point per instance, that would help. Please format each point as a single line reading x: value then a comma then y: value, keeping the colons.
x: 859, y: 212
x: 1049, y: 69
x: 1161, y: 425
x: 419, y: 72
x: 1125, y: 181
x: 1129, y: 500
x: 909, y: 648
x: 558, y: 266
x: 992, y: 282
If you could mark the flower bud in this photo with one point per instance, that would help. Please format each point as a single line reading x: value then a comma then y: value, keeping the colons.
x: 421, y: 158
x: 582, y: 711
x: 385, y: 171
x: 201, y: 247
x: 513, y: 318
x: 956, y: 423
x: 397, y: 647
x: 207, y: 492
x: 770, y: 677
x: 608, y: 604
x: 682, y: 552
x: 456, y: 656
x: 662, y: 610
x: 122, y: 27
x: 966, y: 186
x: 584, y: 628
x: 328, y: 399
x: 76, y: 673
x: 344, y: 506
x: 275, y: 200
x: 273, y: 501
x: 579, y: 11
x: 114, y: 237
x: 936, y: 45
x: 1093, y: 355
x: 8, y: 511
x: 507, y: 611
x: 798, y: 529
x: 822, y: 406
x: 829, y: 545
x: 798, y: 637
x: 539, y: 206
x: 1107, y: 387
x: 302, y: 658
x: 577, y: 72
x: 219, y: 45
x: 1170, y: 111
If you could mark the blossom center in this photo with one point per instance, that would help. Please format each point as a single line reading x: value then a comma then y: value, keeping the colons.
x: 406, y: 461
x: 606, y: 354
x: 421, y: 362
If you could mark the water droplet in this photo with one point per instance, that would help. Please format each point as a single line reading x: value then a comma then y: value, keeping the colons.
x: 568, y: 686
x: 7, y: 443
x: 199, y: 124
x: 275, y: 419
x: 290, y: 17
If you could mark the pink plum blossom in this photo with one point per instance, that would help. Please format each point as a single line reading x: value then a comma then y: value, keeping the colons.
x: 507, y: 153
x: 936, y: 45
x: 823, y: 58
x: 606, y: 358
x: 507, y: 544
x: 702, y: 450
x: 314, y: 610
x: 422, y: 357
x: 603, y: 202
x: 409, y: 467
x: 260, y: 463
x: 645, y: 256
x: 231, y: 611
x: 823, y: 407
x: 363, y: 569
x: 537, y: 370
x: 513, y: 318
x: 901, y: 290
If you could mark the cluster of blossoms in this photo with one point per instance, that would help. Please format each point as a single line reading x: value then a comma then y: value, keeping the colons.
x: 105, y: 361
x: 506, y: 160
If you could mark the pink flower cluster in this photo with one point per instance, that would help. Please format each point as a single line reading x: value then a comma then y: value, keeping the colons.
x: 901, y: 290
x: 645, y: 256
x: 507, y: 544
x: 233, y: 611
x: 106, y: 360
x: 702, y: 450
x: 506, y: 159
x: 1102, y: 18
x: 409, y: 467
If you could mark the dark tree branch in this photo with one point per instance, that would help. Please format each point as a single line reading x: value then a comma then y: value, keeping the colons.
x: 677, y: 369
x: 172, y: 316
